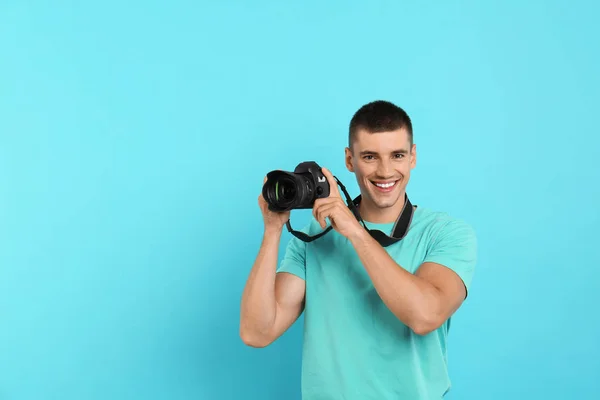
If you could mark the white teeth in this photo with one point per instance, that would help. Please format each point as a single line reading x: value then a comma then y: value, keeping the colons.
x: 385, y: 185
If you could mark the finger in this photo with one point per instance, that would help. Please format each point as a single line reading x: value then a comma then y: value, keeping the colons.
x: 320, y: 217
x: 333, y: 188
x: 319, y: 203
x: 317, y: 210
x: 261, y: 198
x: 324, y: 200
x: 327, y: 211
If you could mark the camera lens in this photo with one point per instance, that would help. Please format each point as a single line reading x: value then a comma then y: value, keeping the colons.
x: 285, y: 190
x: 282, y: 191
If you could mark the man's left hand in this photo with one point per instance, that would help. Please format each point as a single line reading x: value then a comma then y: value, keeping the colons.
x: 334, y: 208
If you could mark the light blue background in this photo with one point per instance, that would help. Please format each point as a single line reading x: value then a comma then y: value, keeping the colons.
x: 134, y: 137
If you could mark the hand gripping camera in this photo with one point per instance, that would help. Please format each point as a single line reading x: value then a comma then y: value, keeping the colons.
x: 286, y: 191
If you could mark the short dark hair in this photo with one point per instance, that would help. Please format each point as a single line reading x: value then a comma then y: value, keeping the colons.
x: 379, y: 116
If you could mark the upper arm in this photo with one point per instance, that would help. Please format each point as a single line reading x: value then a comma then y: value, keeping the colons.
x: 289, y: 294
x: 449, y: 289
x: 449, y: 265
x: 290, y: 286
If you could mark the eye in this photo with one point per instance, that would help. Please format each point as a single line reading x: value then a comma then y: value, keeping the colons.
x: 399, y: 155
x: 368, y: 157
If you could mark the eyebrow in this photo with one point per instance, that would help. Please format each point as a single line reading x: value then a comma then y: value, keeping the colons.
x: 370, y: 152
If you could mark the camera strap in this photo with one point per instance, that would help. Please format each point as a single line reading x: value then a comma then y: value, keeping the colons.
x: 399, y: 230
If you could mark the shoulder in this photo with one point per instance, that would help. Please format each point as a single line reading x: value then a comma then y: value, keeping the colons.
x: 441, y: 227
x: 451, y: 242
x: 441, y: 221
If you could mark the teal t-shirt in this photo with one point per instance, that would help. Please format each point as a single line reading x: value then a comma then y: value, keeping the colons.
x: 354, y: 347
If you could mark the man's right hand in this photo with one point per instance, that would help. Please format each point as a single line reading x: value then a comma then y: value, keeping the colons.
x: 272, y: 219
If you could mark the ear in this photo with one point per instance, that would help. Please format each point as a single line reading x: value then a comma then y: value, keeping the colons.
x: 348, y: 159
x: 413, y: 156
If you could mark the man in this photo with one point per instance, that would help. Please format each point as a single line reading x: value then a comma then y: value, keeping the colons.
x: 376, y: 318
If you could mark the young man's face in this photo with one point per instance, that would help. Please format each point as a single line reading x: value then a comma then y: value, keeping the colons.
x: 382, y: 163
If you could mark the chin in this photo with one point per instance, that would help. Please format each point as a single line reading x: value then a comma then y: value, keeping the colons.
x: 387, y: 203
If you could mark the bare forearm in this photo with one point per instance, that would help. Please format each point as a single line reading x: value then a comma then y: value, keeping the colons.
x: 258, y: 308
x: 412, y: 299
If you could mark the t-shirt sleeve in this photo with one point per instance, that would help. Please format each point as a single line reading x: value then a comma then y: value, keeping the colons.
x: 455, y: 247
x: 294, y: 258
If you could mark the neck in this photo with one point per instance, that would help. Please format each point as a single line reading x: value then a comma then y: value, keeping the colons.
x: 369, y: 212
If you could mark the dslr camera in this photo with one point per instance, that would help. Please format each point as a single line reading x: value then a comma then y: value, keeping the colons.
x: 285, y: 191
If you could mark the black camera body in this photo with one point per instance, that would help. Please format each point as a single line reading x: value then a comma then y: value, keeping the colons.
x: 285, y: 191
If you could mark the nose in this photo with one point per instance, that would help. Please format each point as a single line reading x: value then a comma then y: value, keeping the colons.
x: 384, y: 168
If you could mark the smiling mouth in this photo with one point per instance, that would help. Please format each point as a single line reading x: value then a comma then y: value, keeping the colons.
x: 385, y: 186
